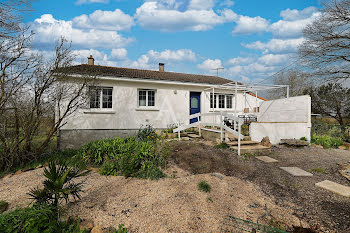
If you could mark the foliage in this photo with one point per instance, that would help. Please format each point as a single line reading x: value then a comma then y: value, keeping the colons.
x: 326, y: 141
x: 303, y: 138
x: 3, y: 206
x: 320, y: 170
x: 58, y: 185
x: 147, y: 133
x: 35, y: 219
x: 222, y: 145
x: 331, y: 99
x: 130, y: 157
x: 245, y: 129
x: 121, y: 229
x: 204, y: 186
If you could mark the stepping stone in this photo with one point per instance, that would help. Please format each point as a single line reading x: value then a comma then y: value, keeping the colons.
x: 335, y: 187
x: 295, y: 171
x: 267, y: 159
x: 193, y: 135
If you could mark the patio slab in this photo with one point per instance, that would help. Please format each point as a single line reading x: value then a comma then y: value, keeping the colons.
x: 335, y: 187
x: 267, y: 159
x: 295, y: 171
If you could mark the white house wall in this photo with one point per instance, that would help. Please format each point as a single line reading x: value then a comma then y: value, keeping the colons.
x: 125, y: 118
x: 288, y: 118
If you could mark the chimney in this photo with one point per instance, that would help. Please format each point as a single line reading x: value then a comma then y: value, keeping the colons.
x: 91, y: 60
x: 161, y: 67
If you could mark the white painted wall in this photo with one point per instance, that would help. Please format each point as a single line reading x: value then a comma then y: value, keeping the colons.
x: 283, y: 119
x: 172, y: 106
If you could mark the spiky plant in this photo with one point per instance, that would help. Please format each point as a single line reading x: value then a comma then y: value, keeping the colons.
x: 58, y: 185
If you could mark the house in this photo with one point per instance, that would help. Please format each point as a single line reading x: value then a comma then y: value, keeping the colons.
x: 127, y: 99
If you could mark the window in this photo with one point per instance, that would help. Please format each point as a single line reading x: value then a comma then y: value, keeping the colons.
x: 221, y: 101
x: 194, y: 102
x: 212, y: 100
x: 229, y: 101
x: 101, y: 96
x: 147, y: 98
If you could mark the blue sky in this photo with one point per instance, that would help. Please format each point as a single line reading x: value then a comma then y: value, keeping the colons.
x: 252, y: 39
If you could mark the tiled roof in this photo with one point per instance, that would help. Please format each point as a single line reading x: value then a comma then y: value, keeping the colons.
x: 142, y: 74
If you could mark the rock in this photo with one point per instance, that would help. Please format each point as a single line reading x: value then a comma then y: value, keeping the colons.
x: 97, y: 229
x: 266, y: 142
x: 217, y: 175
x: 347, y: 145
x: 342, y: 147
x: 3, y: 206
x: 87, y: 224
x: 18, y: 172
x: 247, y: 138
x: 294, y: 142
x: 317, y: 146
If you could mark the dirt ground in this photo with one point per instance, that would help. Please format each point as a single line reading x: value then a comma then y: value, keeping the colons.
x: 322, y: 209
x: 247, y: 188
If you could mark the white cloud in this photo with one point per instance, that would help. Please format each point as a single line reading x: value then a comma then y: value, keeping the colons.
x: 104, y: 20
x: 152, y: 58
x: 276, y: 45
x: 210, y: 65
x: 249, y: 25
x: 274, y: 59
x: 142, y: 63
x: 47, y: 30
x: 292, y: 28
x: 119, y: 54
x: 292, y: 15
x: 152, y: 16
x: 239, y: 60
x: 80, y: 2
x: 169, y: 55
x: 201, y: 5
x: 227, y: 3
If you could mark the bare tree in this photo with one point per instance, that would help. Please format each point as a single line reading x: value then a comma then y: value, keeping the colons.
x: 44, y: 93
x: 326, y: 49
x: 298, y: 81
x: 331, y: 99
x: 11, y: 17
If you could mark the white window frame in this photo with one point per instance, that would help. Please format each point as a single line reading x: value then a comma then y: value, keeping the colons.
x: 216, y: 101
x: 100, y: 89
x: 147, y: 93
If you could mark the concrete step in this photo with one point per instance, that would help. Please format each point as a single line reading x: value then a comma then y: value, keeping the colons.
x: 251, y: 148
x: 235, y: 143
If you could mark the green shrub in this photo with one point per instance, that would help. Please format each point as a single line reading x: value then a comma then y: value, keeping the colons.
x: 121, y: 229
x: 3, y: 206
x: 326, y: 141
x: 58, y: 185
x: 222, y: 145
x: 130, y: 157
x: 303, y: 138
x: 35, y: 219
x: 204, y: 186
x: 147, y: 133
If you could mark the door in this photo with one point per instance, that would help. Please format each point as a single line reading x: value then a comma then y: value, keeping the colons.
x: 195, y: 105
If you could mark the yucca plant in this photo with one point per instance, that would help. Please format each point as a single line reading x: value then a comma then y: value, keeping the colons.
x: 59, y: 185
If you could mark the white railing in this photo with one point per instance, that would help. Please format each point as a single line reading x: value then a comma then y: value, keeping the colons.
x: 236, y: 122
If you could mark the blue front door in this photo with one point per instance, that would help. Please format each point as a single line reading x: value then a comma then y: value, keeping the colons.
x: 195, y: 105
